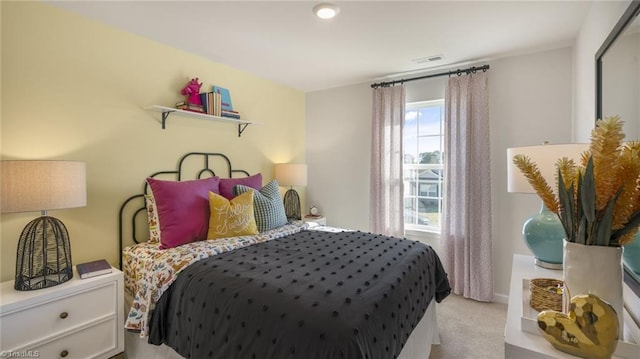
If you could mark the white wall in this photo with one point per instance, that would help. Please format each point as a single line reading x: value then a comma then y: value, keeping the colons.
x: 338, y: 137
x: 530, y: 102
x: 426, y: 90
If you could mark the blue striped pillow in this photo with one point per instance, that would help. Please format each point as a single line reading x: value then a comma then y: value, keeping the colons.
x: 268, y: 207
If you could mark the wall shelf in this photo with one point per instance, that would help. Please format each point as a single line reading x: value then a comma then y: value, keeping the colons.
x: 166, y: 111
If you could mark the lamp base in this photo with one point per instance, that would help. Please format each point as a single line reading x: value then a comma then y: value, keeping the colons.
x: 292, y: 205
x: 544, y: 235
x: 631, y: 255
x: 44, y: 255
x: 548, y: 265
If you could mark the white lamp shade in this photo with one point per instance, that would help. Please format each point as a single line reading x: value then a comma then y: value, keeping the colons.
x: 545, y: 157
x: 291, y: 174
x: 43, y: 185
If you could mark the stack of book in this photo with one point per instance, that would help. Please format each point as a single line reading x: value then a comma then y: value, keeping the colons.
x: 210, y: 103
x: 213, y: 105
x: 230, y: 114
x: 183, y: 105
x: 226, y: 107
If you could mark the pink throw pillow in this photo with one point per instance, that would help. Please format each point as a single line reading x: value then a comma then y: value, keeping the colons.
x: 183, y: 209
x: 227, y: 184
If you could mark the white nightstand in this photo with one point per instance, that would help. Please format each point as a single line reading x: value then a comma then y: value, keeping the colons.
x: 525, y: 345
x: 322, y: 221
x: 81, y: 318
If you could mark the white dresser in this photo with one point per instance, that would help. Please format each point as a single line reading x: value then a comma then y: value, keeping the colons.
x: 81, y: 318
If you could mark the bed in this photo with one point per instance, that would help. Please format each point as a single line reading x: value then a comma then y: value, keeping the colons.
x: 284, y: 291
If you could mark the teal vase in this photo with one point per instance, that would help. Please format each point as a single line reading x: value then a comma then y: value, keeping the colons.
x: 631, y: 255
x: 544, y: 235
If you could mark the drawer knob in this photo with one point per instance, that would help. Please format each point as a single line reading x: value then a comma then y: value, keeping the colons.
x: 64, y: 315
x: 64, y: 353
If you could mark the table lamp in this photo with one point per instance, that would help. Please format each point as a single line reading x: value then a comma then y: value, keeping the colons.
x: 292, y: 174
x: 44, y: 253
x: 543, y: 233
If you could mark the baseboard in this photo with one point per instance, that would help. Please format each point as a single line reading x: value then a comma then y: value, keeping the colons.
x: 500, y: 298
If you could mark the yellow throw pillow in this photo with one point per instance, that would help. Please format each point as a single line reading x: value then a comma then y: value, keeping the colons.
x: 231, y: 218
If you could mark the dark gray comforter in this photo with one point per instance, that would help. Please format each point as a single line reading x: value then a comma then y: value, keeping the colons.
x: 308, y: 295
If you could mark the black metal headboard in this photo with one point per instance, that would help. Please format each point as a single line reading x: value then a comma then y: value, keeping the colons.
x: 136, y: 204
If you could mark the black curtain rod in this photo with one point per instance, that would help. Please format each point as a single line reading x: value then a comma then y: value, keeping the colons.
x: 459, y: 72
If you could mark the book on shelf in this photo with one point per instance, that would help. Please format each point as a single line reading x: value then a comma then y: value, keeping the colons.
x: 225, y: 100
x: 230, y: 114
x: 189, y: 107
x: 217, y: 104
x: 94, y: 268
x: 205, y: 102
x: 210, y: 103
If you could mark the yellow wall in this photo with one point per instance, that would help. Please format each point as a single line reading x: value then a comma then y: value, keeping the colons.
x: 74, y: 89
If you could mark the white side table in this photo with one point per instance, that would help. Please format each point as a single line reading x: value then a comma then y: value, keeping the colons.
x: 81, y: 318
x: 322, y: 221
x: 521, y: 344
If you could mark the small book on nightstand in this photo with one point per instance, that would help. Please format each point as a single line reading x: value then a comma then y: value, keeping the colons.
x: 92, y: 269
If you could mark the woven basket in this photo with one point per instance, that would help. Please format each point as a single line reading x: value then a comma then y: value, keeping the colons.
x: 546, y: 294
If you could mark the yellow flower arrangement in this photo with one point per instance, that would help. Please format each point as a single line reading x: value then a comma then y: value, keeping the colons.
x: 598, y: 200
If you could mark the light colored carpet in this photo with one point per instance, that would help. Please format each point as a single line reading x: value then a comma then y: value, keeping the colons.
x: 470, y: 329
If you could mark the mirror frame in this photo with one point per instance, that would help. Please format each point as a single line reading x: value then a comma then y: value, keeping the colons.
x: 627, y: 18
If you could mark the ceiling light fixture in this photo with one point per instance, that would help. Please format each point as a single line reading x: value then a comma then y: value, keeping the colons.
x: 326, y: 10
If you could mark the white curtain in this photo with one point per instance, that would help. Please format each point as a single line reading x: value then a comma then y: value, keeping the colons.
x: 466, y: 228
x: 387, y: 194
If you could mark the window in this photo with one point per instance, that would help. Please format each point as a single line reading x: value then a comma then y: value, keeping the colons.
x: 423, y: 137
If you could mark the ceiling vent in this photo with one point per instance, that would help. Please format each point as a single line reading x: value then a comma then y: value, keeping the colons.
x: 428, y: 59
